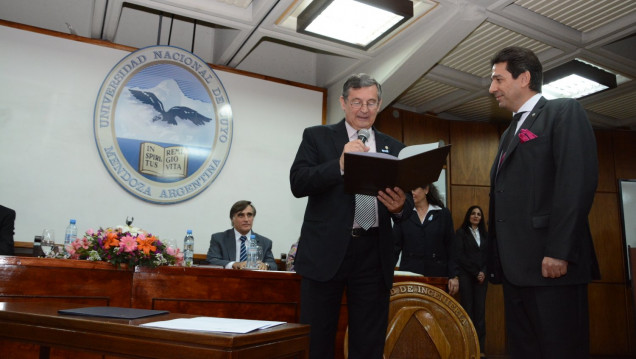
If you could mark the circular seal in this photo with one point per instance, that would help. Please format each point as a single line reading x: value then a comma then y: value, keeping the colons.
x: 163, y: 124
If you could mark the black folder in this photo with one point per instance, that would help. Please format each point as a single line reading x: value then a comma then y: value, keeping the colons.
x: 367, y: 172
x: 113, y: 312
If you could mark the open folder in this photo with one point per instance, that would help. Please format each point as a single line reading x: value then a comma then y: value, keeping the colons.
x: 369, y: 172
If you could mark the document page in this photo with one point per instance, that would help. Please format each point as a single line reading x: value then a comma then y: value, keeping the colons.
x: 214, y: 324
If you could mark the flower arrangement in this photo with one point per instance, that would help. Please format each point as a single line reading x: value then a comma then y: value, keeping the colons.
x: 124, y: 244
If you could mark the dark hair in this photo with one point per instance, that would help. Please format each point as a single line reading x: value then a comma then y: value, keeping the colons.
x: 433, y: 197
x: 482, y: 224
x: 240, y: 206
x: 358, y: 81
x: 519, y: 60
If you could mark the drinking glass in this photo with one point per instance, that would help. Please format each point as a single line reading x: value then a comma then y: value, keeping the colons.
x: 48, y: 241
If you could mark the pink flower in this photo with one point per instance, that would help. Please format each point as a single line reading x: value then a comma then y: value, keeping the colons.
x: 71, y: 251
x: 179, y: 258
x: 172, y: 251
x: 128, y: 243
x: 90, y: 232
x: 526, y: 135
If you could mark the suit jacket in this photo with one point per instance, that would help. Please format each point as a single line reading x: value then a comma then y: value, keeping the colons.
x: 471, y: 256
x: 326, y: 229
x: 223, y: 249
x: 428, y: 247
x: 541, y: 197
x: 7, y: 223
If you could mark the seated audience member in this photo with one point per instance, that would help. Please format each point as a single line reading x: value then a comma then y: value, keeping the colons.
x: 7, y: 225
x: 225, y: 247
x: 291, y: 257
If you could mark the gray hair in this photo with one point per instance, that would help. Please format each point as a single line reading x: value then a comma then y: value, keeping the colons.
x: 357, y: 81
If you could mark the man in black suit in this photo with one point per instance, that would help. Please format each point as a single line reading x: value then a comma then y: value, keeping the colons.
x: 225, y: 247
x: 542, y: 188
x: 7, y: 223
x: 334, y: 252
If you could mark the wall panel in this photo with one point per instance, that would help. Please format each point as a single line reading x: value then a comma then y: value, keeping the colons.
x: 606, y: 176
x: 605, y: 225
x: 625, y: 154
x: 474, y: 148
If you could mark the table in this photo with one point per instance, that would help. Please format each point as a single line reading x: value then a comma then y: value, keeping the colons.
x: 199, y: 290
x: 40, y: 323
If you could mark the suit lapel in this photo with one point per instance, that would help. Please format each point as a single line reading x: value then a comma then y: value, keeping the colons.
x: 230, y: 242
x: 382, y: 143
x: 340, y: 136
x: 527, y: 123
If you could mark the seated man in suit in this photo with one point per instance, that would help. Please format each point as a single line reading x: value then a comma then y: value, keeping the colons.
x: 226, y: 247
x: 7, y: 221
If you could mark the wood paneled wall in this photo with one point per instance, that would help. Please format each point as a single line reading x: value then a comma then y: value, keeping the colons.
x: 474, y: 147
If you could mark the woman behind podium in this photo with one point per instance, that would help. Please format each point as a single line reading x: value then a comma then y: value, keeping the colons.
x: 472, y: 239
x: 427, y: 240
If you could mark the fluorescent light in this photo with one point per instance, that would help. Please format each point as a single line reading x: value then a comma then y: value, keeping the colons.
x: 573, y: 86
x: 576, y: 79
x: 359, y: 23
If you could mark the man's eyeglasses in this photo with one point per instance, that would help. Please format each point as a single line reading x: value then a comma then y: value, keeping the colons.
x: 357, y: 104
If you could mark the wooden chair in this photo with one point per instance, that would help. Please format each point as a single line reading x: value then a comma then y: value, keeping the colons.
x: 426, y: 322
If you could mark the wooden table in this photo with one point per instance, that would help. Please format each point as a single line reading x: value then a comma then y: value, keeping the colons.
x: 39, y: 323
x: 199, y: 291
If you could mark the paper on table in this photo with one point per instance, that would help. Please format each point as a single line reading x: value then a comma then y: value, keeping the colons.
x: 406, y: 273
x: 214, y: 324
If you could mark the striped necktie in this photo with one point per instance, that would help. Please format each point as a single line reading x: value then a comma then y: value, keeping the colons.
x: 365, y: 211
x: 243, y: 249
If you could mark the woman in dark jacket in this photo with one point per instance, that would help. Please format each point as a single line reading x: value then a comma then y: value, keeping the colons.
x: 427, y: 239
x: 472, y: 242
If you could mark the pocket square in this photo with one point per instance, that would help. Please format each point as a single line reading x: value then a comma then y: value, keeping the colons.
x: 526, y: 135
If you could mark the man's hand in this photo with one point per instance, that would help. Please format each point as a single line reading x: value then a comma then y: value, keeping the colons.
x: 453, y: 286
x: 353, y: 146
x: 481, y: 277
x: 553, y: 268
x: 393, y: 199
x: 239, y: 265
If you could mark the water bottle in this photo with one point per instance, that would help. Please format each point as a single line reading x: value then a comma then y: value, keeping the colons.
x: 188, y: 249
x: 71, y: 233
x: 252, y: 253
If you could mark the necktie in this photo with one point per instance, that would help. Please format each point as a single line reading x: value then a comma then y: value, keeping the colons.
x: 243, y: 249
x: 511, y: 132
x: 365, y: 211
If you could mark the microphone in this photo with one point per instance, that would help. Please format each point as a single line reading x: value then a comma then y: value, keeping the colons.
x: 363, y: 135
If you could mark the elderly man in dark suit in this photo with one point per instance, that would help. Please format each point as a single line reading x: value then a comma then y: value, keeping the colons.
x: 225, y: 247
x: 335, y: 252
x: 7, y: 223
x: 542, y: 188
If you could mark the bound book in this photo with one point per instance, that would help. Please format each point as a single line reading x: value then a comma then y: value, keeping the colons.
x: 113, y: 312
x: 418, y: 165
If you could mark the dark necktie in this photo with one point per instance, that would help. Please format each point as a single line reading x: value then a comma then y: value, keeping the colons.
x: 511, y: 132
x: 365, y: 211
x: 243, y: 249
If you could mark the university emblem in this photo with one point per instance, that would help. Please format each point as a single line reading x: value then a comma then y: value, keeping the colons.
x: 163, y: 124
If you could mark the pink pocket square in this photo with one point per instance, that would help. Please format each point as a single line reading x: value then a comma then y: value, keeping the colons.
x: 526, y: 135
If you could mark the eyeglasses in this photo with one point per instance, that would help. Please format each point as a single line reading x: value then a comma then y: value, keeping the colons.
x: 357, y: 104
